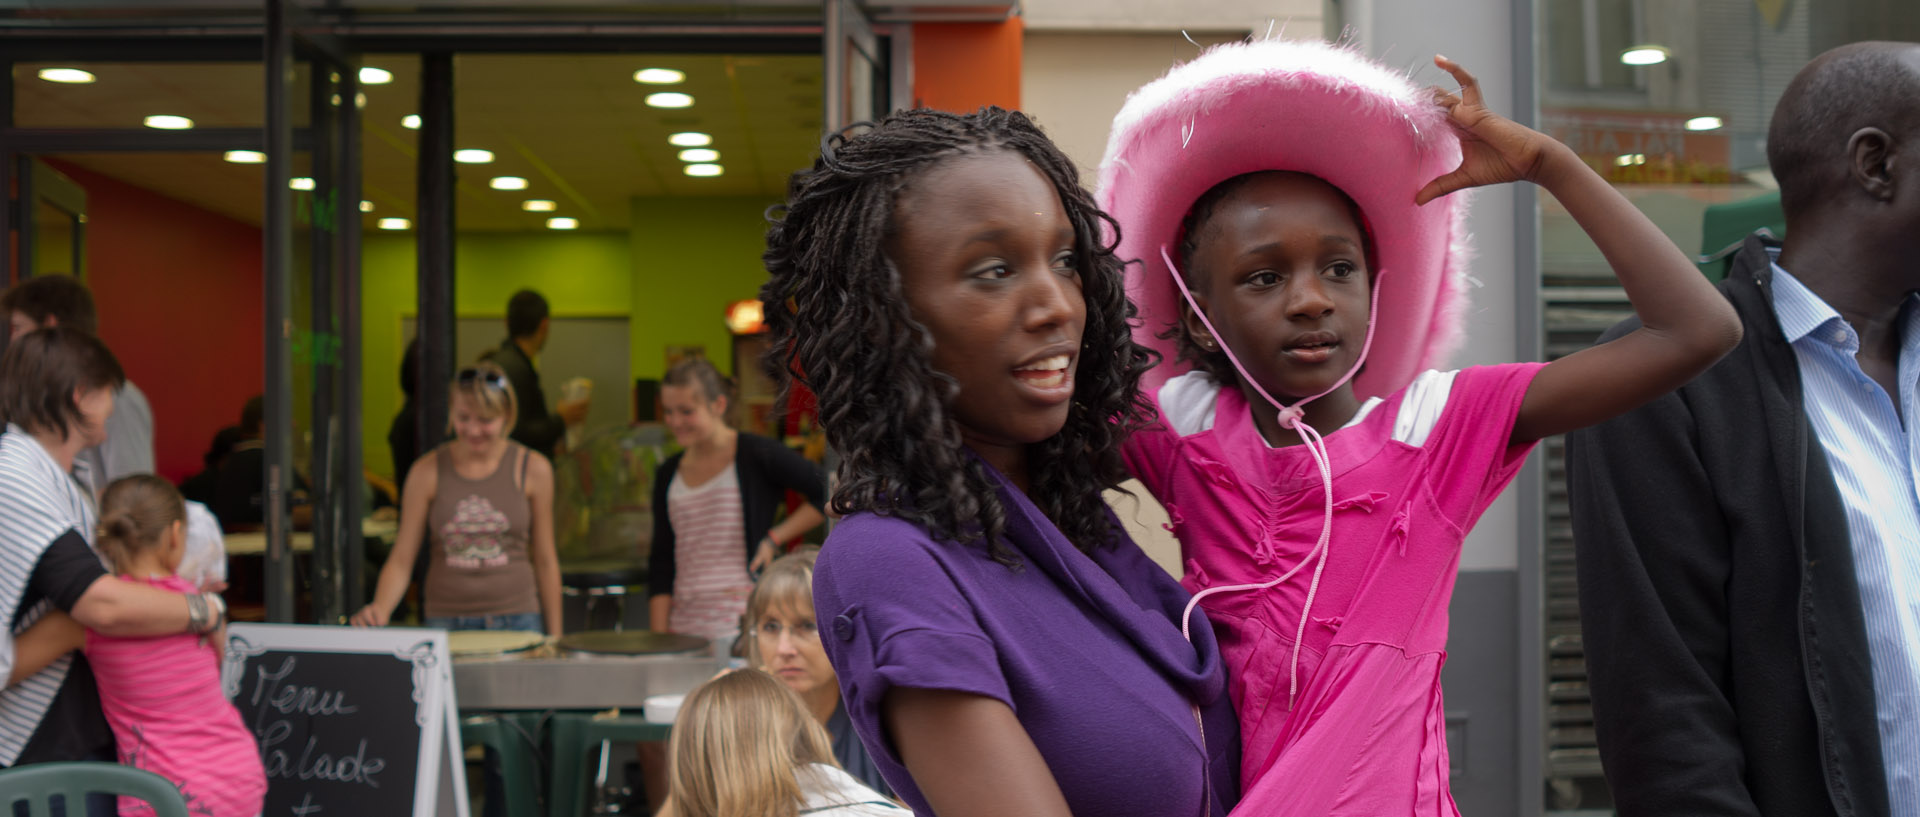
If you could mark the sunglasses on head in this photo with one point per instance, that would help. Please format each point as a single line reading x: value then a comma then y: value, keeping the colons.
x: 468, y: 375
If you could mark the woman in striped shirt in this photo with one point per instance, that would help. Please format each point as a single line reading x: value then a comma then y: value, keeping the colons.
x: 714, y: 506
x: 56, y: 393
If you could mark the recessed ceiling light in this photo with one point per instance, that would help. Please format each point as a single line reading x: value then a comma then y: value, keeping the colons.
x: 563, y: 223
x: 1630, y: 159
x: 539, y: 205
x: 375, y: 76
x: 690, y: 139
x: 410, y: 121
x: 507, y: 183
x: 169, y: 122
x: 699, y: 155
x: 394, y: 224
x: 366, y: 206
x: 245, y: 157
x: 1645, y: 55
x: 473, y: 156
x: 1704, y: 123
x: 704, y: 170
x: 659, y: 76
x: 670, y: 99
x: 72, y: 76
x: 300, y: 183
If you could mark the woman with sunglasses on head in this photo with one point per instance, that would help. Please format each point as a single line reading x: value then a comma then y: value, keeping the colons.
x: 483, y: 505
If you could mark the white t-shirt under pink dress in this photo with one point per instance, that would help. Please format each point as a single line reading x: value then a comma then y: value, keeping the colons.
x: 710, y: 591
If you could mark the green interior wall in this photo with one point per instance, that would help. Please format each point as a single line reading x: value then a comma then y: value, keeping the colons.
x: 672, y: 275
x: 581, y: 274
x: 692, y: 257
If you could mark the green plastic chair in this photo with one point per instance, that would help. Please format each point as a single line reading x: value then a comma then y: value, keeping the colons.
x: 507, y: 734
x: 1725, y: 228
x: 39, y: 783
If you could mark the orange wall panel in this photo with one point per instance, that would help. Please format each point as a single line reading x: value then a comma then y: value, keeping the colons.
x: 961, y: 67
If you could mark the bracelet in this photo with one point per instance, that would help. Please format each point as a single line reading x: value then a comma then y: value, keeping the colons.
x: 206, y: 612
x: 197, y: 615
x: 769, y: 540
x: 218, y: 605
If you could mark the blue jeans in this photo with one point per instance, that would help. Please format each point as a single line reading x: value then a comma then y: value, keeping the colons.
x: 530, y: 622
x: 495, y: 802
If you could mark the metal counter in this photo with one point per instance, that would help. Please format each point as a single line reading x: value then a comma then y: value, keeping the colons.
x: 578, y: 682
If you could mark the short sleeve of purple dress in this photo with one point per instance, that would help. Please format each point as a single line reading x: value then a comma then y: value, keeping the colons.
x: 1086, y: 651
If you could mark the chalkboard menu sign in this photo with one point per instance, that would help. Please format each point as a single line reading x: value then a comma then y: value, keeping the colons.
x: 350, y: 722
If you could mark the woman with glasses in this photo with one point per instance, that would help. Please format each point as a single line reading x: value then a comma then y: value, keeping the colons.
x: 785, y: 643
x: 483, y: 506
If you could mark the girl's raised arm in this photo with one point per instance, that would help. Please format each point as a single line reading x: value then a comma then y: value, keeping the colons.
x: 1685, y: 324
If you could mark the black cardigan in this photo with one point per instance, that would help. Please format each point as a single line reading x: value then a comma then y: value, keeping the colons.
x: 1726, y: 648
x: 767, y: 470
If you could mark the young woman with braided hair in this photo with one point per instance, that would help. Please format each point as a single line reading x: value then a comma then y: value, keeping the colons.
x: 949, y: 293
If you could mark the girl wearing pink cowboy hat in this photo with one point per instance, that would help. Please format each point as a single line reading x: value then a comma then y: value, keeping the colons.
x: 1303, y: 266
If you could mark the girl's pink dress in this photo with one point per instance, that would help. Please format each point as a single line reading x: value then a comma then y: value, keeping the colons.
x: 162, y: 697
x: 1366, y: 733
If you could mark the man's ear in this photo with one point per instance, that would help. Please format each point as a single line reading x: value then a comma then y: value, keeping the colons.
x: 1870, y: 157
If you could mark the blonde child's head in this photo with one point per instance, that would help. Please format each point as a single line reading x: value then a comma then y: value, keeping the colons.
x: 142, y: 516
x: 740, y: 748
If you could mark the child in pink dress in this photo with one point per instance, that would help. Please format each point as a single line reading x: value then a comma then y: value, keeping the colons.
x: 162, y: 695
x: 1290, y: 204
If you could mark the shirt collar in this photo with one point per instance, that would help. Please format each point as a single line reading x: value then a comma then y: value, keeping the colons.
x: 1803, y: 314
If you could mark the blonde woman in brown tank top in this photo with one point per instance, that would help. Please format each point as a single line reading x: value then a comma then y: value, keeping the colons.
x: 483, y: 507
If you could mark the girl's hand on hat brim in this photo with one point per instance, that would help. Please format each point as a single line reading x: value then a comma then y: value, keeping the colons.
x: 1493, y: 148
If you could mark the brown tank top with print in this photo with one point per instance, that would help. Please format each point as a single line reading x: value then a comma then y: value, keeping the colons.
x: 479, y: 531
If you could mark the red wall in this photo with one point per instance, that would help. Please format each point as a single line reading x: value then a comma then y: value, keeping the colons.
x: 179, y: 294
x: 960, y: 67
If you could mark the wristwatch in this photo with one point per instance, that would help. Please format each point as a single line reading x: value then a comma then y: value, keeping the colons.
x: 205, y: 613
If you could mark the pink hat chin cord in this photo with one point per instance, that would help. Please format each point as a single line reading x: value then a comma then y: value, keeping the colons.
x: 1292, y: 417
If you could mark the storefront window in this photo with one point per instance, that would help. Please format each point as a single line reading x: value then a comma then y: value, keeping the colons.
x: 1670, y: 101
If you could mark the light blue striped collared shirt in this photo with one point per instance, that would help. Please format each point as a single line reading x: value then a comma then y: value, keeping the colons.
x: 1874, y: 461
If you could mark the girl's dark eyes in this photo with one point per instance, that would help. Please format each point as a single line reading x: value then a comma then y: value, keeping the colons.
x: 1264, y: 278
x: 995, y: 272
x: 1343, y: 269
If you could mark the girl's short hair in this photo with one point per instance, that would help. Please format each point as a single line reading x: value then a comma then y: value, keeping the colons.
x: 788, y: 584
x: 135, y: 513
x: 840, y: 325
x: 41, y: 371
x: 740, y: 748
x: 486, y: 384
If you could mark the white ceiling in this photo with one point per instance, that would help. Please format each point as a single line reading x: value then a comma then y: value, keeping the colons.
x: 575, y: 126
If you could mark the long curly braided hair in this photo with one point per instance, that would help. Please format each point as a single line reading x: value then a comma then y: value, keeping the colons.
x: 840, y: 325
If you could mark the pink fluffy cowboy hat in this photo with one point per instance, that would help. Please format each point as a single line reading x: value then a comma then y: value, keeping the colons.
x: 1313, y: 108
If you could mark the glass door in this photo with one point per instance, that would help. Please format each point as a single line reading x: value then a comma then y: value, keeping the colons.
x: 310, y: 276
x: 856, y: 86
x: 53, y: 229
